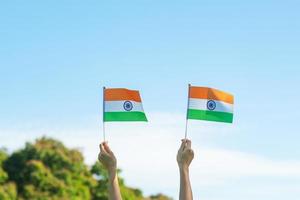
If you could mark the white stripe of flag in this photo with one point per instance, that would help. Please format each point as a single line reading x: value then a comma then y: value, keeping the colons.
x: 201, y: 104
x: 118, y: 106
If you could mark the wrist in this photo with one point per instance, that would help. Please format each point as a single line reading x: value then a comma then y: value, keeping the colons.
x: 112, y: 171
x: 183, y: 169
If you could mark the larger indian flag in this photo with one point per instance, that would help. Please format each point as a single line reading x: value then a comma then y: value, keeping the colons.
x: 121, y: 104
x: 210, y: 104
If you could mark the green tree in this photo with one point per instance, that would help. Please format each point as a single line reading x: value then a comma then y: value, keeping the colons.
x: 47, y: 170
x: 7, y: 189
x: 159, y: 197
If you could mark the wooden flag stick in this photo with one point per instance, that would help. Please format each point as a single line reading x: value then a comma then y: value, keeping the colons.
x: 103, y: 111
x: 187, y: 112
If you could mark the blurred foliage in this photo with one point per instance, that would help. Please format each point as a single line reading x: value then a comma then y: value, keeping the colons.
x: 47, y: 170
x: 8, y: 190
x: 158, y: 197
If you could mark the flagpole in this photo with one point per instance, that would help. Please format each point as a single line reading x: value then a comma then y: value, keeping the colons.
x: 103, y: 110
x: 187, y: 112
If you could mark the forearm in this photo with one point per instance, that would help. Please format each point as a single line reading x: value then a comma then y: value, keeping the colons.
x: 113, y: 187
x: 185, y: 185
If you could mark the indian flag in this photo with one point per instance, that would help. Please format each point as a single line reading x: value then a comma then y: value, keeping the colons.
x: 121, y: 104
x: 210, y: 104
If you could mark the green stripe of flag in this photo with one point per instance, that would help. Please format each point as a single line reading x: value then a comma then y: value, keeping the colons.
x: 124, y: 116
x: 210, y: 115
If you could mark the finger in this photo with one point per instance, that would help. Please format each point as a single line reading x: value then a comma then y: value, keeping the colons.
x: 103, y: 156
x: 107, y: 148
x: 188, y: 144
x: 190, y: 151
x: 100, y: 157
x: 182, y: 144
x: 102, y: 149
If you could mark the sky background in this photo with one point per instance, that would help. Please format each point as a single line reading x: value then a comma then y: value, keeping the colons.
x: 55, y: 56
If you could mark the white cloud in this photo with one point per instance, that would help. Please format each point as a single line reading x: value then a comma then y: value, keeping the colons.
x: 146, y: 153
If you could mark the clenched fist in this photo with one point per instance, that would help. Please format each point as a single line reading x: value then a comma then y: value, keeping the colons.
x: 107, y: 157
x: 185, y: 154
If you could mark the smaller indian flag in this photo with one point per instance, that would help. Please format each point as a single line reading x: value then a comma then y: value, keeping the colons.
x: 210, y: 104
x: 121, y: 104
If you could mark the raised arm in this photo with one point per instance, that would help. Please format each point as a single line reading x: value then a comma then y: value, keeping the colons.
x: 185, y: 156
x: 108, y: 159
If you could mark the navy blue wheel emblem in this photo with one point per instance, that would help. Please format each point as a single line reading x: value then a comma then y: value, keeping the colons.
x: 127, y: 106
x: 211, y: 105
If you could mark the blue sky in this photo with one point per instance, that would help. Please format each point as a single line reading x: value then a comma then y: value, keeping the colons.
x: 55, y: 57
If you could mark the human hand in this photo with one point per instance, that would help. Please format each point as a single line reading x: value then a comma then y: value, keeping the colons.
x: 107, y: 158
x: 185, y: 154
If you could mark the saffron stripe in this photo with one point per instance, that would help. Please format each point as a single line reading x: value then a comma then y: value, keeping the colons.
x: 210, y: 93
x: 119, y: 94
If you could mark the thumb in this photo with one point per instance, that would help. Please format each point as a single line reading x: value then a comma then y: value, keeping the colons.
x: 182, y: 146
x: 102, y: 148
x: 107, y: 148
